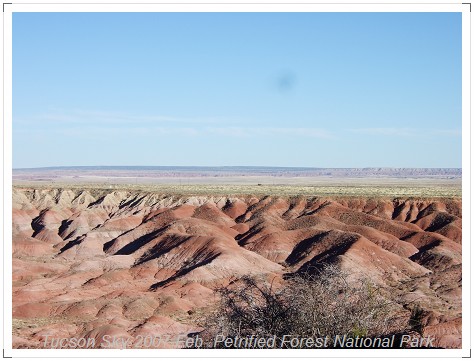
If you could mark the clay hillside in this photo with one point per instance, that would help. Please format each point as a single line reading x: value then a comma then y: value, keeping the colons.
x: 126, y: 263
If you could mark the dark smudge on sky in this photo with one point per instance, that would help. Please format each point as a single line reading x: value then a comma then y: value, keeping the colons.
x: 286, y: 81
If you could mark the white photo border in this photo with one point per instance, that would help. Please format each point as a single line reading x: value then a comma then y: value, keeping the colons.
x: 232, y: 6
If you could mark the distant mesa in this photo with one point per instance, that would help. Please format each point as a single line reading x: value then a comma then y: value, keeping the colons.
x: 237, y: 171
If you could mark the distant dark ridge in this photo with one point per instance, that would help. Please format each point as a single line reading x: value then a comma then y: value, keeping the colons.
x: 254, y: 168
x: 171, y: 168
x: 197, y: 171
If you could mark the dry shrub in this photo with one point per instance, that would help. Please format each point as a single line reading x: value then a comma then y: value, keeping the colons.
x: 321, y: 303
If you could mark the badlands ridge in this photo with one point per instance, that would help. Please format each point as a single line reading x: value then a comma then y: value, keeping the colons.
x: 126, y: 263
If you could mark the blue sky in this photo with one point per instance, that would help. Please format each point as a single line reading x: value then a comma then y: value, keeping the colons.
x: 220, y: 89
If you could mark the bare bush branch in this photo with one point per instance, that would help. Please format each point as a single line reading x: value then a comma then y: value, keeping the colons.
x: 322, y: 303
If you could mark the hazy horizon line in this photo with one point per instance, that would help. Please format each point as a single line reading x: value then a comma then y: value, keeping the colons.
x: 224, y: 166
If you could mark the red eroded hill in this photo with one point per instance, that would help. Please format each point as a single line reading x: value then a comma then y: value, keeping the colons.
x: 134, y: 263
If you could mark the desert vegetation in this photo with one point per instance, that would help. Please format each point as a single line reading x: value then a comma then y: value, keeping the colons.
x: 332, y: 189
x: 324, y: 303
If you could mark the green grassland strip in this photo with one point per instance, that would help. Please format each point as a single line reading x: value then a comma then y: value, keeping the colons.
x: 410, y: 191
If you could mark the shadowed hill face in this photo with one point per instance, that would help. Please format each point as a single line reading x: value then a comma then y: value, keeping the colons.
x: 125, y: 262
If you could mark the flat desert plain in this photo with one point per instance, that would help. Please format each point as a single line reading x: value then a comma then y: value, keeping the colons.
x: 138, y: 259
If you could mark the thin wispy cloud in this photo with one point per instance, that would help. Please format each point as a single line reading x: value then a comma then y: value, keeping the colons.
x: 448, y: 132
x: 84, y: 123
x: 402, y: 132
x: 405, y: 132
x: 147, y: 131
x: 86, y: 118
x: 269, y: 131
